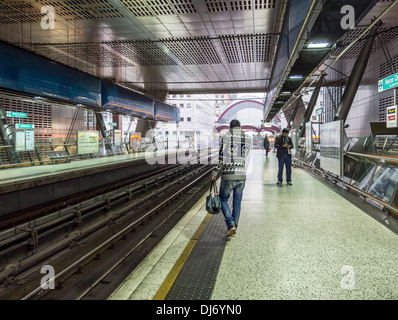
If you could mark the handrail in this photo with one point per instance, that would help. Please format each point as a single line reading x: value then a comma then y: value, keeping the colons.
x: 348, y: 185
x: 371, y: 156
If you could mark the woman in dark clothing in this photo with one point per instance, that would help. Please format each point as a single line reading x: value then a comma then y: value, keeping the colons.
x: 266, y: 145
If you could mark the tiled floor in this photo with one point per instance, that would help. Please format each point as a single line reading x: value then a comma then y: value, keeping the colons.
x: 304, y: 242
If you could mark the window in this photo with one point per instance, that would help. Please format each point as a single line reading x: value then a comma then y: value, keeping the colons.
x: 188, y: 105
x: 188, y: 118
x: 182, y: 119
x: 181, y: 105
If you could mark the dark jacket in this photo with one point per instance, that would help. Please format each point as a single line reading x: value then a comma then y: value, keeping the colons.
x: 279, y: 145
x: 266, y: 144
x: 234, y: 148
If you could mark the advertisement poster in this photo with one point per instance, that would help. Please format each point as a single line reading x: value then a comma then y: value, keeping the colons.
x: 117, y: 137
x: 392, y: 117
x: 331, y: 147
x: 87, y: 141
x: 308, y: 137
x: 295, y: 138
x: 135, y: 140
x: 20, y: 140
x: 29, y: 140
x: 24, y: 137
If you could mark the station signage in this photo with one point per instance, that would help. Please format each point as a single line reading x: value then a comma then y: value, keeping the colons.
x: 13, y: 114
x: 392, y: 117
x: 24, y: 137
x: 388, y: 83
x: 87, y: 142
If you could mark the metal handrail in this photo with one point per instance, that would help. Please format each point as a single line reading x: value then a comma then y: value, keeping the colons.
x: 371, y: 156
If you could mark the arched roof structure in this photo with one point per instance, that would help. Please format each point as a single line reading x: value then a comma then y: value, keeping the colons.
x: 226, y: 116
x: 273, y: 129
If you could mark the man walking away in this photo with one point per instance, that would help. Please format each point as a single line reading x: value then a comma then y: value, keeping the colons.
x: 266, y: 145
x: 283, y: 144
x: 234, y: 148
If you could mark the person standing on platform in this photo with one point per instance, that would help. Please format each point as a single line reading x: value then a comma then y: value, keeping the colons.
x: 234, y: 148
x: 284, y: 144
x: 266, y: 145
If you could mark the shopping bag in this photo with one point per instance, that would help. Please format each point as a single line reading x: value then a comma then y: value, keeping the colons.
x: 213, y: 203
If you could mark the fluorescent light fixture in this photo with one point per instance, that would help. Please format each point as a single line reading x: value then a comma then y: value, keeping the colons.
x: 286, y: 92
x: 314, y: 45
x: 296, y: 77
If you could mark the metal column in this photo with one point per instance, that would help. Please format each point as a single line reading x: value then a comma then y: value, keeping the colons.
x: 355, y: 77
x: 8, y: 138
x: 101, y: 125
x: 311, y: 105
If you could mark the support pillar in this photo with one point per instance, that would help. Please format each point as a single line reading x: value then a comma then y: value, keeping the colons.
x: 355, y: 77
x: 311, y: 105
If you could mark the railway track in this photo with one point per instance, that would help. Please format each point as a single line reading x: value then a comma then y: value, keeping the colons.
x: 94, y: 245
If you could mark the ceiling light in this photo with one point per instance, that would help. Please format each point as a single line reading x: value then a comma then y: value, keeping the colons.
x: 296, y: 77
x: 314, y: 45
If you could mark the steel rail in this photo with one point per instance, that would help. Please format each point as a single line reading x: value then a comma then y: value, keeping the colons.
x: 116, y: 236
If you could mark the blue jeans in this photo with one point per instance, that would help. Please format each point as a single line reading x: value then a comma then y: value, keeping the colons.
x: 287, y: 161
x: 226, y: 187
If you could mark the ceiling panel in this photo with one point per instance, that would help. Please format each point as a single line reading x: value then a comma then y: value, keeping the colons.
x: 153, y: 44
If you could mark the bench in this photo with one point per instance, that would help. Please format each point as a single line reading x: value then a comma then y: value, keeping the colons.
x: 57, y: 155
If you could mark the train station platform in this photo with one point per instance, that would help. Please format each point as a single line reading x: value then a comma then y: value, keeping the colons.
x: 304, y: 241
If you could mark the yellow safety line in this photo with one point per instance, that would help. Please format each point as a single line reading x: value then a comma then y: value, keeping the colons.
x: 172, y: 276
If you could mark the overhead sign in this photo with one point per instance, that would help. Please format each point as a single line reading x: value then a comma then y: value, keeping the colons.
x: 388, y: 83
x: 392, y: 117
x: 13, y: 114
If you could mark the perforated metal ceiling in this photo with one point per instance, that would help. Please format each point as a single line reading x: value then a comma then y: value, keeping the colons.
x: 158, y: 46
x: 173, y: 45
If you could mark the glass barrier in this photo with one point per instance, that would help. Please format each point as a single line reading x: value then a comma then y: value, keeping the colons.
x: 384, y: 182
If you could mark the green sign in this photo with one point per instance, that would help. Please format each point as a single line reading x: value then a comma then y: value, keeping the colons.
x: 388, y: 83
x: 113, y: 124
x: 24, y: 126
x: 13, y: 114
x: 319, y: 111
